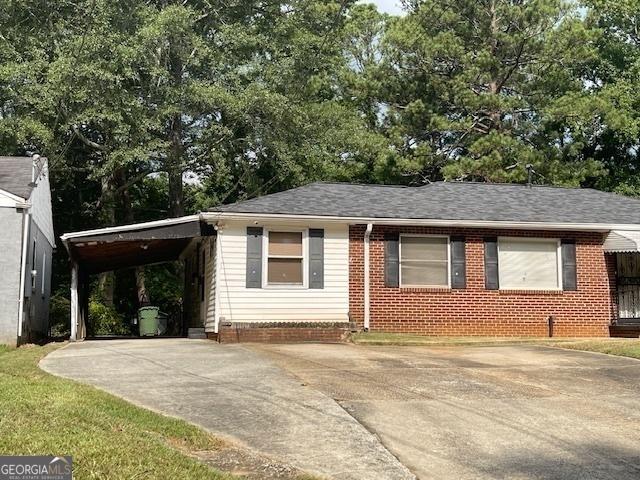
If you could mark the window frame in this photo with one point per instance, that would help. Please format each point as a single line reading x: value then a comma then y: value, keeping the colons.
x: 558, y: 242
x: 34, y: 267
x: 44, y: 273
x: 417, y: 235
x: 265, y: 258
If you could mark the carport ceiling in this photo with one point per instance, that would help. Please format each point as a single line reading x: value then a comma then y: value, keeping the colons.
x: 140, y: 244
x: 98, y: 257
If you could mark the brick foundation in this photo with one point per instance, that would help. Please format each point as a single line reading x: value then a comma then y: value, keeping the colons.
x: 474, y: 310
x: 281, y: 333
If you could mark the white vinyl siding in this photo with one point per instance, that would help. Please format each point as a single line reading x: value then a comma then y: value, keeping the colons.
x: 424, y: 261
x: 295, y: 303
x: 529, y: 264
x: 209, y: 283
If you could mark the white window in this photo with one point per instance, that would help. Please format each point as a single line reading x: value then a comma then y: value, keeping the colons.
x: 44, y: 271
x: 424, y: 261
x: 285, y: 263
x: 529, y: 264
x: 34, y: 271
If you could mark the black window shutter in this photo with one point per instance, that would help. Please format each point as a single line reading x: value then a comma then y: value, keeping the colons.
x: 458, y: 263
x: 316, y: 258
x: 254, y: 257
x: 491, y: 281
x: 569, y: 270
x: 392, y: 259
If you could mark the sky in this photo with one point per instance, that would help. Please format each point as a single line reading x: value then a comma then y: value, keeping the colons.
x: 387, y: 6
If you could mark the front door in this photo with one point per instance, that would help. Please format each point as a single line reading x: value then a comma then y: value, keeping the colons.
x: 628, y: 278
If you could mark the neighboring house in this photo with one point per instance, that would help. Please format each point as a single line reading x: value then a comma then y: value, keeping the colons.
x: 449, y: 258
x: 27, y: 247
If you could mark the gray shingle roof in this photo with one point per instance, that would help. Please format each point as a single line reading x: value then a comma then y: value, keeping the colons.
x: 16, y: 175
x: 448, y: 201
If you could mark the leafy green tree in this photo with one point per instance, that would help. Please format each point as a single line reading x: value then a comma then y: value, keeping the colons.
x: 612, y: 117
x: 471, y: 84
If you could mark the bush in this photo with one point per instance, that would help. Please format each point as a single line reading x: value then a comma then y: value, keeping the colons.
x: 104, y: 320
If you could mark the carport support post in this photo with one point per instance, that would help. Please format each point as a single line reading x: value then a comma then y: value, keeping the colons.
x: 75, y: 305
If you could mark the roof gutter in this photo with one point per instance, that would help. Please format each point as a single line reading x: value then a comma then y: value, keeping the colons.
x: 127, y: 228
x: 213, y: 217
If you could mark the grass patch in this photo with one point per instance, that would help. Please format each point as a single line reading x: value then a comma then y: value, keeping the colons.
x: 380, y: 338
x: 623, y: 347
x: 108, y: 438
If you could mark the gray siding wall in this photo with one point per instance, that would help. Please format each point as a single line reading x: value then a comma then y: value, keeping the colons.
x: 41, y: 205
x: 10, y: 253
x: 37, y: 286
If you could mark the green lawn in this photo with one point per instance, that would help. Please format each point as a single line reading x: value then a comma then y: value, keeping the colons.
x: 380, y: 338
x: 624, y: 347
x: 107, y: 437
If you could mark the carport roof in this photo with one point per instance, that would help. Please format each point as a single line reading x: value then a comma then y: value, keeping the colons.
x: 126, y: 246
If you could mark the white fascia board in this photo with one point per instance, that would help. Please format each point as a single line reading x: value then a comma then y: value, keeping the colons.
x: 8, y: 199
x: 134, y: 226
x: 213, y: 217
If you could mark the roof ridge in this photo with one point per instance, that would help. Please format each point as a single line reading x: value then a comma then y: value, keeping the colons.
x: 511, y: 184
x: 357, y: 184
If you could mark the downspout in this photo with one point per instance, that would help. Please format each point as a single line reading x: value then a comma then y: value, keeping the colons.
x: 26, y: 223
x: 216, y: 285
x: 26, y: 226
x: 367, y: 313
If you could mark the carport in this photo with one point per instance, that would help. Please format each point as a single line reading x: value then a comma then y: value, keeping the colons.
x: 107, y: 249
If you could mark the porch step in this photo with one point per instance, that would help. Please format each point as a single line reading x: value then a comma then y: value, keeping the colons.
x: 196, y: 333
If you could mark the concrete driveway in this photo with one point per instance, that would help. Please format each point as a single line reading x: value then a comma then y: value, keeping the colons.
x: 485, y: 412
x: 445, y: 412
x: 235, y: 393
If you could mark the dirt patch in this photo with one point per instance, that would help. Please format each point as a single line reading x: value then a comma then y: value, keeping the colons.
x: 247, y: 464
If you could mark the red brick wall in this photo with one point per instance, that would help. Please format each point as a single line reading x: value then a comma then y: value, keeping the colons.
x: 475, y: 310
x: 285, y: 334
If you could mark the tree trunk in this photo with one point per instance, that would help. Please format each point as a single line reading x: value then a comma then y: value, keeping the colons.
x: 142, y: 294
x: 107, y: 280
x: 141, y: 287
x: 175, y: 168
x: 175, y: 160
x: 494, y: 84
x: 106, y: 284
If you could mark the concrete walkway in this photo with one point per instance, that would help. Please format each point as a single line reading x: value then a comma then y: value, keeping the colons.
x: 236, y: 393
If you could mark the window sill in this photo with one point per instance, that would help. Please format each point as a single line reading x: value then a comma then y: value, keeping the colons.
x: 292, y: 286
x: 508, y: 291
x: 425, y: 289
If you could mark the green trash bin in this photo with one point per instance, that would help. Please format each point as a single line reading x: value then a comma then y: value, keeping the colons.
x: 148, y: 318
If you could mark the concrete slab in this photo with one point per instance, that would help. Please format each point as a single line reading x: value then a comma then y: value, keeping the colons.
x: 236, y: 393
x: 516, y: 412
